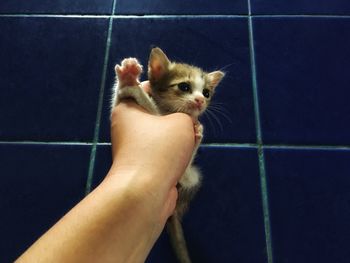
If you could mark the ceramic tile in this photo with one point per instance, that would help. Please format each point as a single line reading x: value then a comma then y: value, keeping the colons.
x: 309, y: 204
x: 39, y: 184
x: 103, y: 161
x: 297, y: 7
x: 230, y: 202
x: 51, y: 79
x: 302, y: 73
x: 56, y: 7
x: 182, y: 7
x: 225, y: 222
x: 207, y: 42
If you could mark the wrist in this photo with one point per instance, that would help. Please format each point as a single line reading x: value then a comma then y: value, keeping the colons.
x: 138, y: 187
x: 136, y: 212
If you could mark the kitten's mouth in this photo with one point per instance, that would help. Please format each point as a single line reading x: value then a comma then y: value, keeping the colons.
x: 195, y: 106
x: 194, y: 109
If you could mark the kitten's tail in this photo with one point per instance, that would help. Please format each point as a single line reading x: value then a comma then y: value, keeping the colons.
x: 177, y: 239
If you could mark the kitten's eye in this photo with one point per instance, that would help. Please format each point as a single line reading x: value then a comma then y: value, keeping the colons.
x: 183, y: 86
x: 206, y: 93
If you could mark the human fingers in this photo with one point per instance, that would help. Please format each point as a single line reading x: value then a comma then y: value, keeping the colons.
x: 162, y: 142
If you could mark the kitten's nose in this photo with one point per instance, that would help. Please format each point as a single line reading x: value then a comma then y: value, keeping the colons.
x: 199, y: 100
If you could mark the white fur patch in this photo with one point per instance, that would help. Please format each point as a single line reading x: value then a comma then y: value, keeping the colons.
x: 191, y: 177
x: 198, y: 83
x: 139, y: 96
x: 171, y: 66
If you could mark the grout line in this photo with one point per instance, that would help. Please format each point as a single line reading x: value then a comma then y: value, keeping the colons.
x: 265, y: 204
x: 178, y: 16
x: 261, y: 158
x: 56, y: 15
x: 208, y: 145
x: 229, y: 145
x: 306, y: 147
x: 122, y: 16
x: 302, y: 16
x: 100, y: 105
x: 237, y: 145
x: 152, y: 16
x: 254, y: 78
x: 45, y: 143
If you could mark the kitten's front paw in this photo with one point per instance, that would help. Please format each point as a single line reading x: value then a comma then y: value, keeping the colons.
x: 128, y: 73
x: 198, y: 133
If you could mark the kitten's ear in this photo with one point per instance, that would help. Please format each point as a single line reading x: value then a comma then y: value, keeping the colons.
x: 214, y: 78
x: 158, y: 64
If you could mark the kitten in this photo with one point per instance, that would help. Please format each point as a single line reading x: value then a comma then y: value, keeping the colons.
x: 175, y: 87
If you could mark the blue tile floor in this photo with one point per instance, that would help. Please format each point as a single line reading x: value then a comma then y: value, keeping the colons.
x: 275, y: 159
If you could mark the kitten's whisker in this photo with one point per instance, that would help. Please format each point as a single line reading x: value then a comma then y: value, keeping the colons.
x: 216, y: 119
x: 206, y: 114
x: 227, y: 66
x: 220, y: 108
x: 217, y: 103
x: 222, y: 111
x: 223, y: 114
x: 180, y: 108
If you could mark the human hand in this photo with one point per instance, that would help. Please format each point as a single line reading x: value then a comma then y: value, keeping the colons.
x: 159, y: 146
x: 150, y: 154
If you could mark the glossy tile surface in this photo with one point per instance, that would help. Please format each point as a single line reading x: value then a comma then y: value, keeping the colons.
x: 225, y: 222
x: 39, y: 184
x: 309, y: 204
x: 297, y: 7
x: 103, y: 162
x: 58, y: 60
x: 302, y: 73
x: 56, y: 7
x: 51, y: 79
x: 221, y: 7
x: 202, y: 42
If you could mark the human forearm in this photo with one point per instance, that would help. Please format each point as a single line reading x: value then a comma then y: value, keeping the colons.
x: 112, y: 224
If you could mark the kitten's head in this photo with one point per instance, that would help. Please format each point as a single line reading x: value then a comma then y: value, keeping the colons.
x: 180, y: 87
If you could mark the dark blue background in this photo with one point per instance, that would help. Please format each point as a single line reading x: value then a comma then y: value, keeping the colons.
x: 276, y: 162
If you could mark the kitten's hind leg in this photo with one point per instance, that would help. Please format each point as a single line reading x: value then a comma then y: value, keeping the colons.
x: 128, y: 85
x: 177, y: 239
x: 187, y: 188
